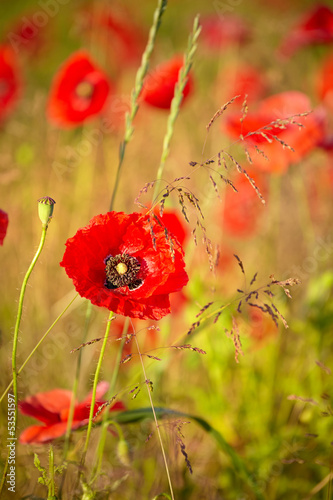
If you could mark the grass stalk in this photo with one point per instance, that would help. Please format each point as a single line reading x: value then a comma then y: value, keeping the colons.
x: 105, y: 424
x: 93, y: 396
x: 37, y: 345
x: 140, y: 75
x: 177, y: 100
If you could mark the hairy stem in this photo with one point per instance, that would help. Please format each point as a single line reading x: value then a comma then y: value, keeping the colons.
x: 19, y: 315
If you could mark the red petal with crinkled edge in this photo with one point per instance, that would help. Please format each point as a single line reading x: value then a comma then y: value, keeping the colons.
x: 42, y: 434
x: 162, y: 271
x: 67, y: 108
x: 46, y: 406
x: 53, y: 408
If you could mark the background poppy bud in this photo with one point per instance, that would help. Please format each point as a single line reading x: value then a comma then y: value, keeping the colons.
x: 45, y: 209
x: 123, y: 452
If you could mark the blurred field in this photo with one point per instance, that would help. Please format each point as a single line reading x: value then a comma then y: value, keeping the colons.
x: 284, y: 443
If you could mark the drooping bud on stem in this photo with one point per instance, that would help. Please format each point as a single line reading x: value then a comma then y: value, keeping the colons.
x: 45, y: 209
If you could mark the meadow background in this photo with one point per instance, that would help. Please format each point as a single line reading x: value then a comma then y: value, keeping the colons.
x: 269, y: 402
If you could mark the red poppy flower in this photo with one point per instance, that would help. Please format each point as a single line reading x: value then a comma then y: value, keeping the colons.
x: 315, y: 27
x: 325, y: 83
x: 242, y: 209
x: 29, y: 34
x: 278, y: 107
x: 79, y: 91
x: 159, y: 86
x: 174, y: 224
x: 3, y: 225
x: 10, y: 81
x: 220, y: 31
x: 125, y: 263
x: 261, y: 326
x: 244, y: 81
x: 52, y: 408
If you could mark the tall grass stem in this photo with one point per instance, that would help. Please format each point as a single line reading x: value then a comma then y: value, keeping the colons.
x: 140, y: 75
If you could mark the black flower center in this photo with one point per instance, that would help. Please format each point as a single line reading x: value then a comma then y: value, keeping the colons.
x: 121, y: 270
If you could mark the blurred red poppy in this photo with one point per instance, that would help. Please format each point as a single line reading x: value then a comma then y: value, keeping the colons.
x: 315, y: 27
x: 116, y: 32
x: 79, y: 91
x: 10, y: 81
x: 220, y: 31
x: 244, y: 80
x: 3, y: 225
x: 265, y: 128
x: 261, y: 326
x: 325, y: 83
x: 52, y: 408
x: 159, y: 86
x: 29, y: 34
x: 124, y: 262
x: 242, y: 209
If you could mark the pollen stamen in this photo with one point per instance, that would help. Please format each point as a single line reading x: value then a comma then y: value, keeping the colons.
x: 122, y: 270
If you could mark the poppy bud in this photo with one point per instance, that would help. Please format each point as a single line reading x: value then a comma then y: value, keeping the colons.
x: 45, y: 209
x: 123, y: 452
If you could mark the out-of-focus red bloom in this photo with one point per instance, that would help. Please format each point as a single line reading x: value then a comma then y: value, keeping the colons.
x: 79, y: 91
x: 258, y: 130
x: 3, y: 225
x: 315, y: 27
x: 325, y: 83
x: 261, y: 326
x: 116, y: 32
x: 220, y: 31
x: 52, y: 408
x: 10, y: 81
x: 241, y: 81
x: 124, y: 262
x: 29, y: 34
x: 242, y: 209
x: 159, y: 86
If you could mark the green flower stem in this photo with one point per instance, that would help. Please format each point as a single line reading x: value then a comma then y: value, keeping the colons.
x: 76, y: 381
x: 19, y: 315
x: 177, y: 100
x: 93, y: 396
x: 140, y: 75
x: 105, y: 423
x: 37, y: 345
